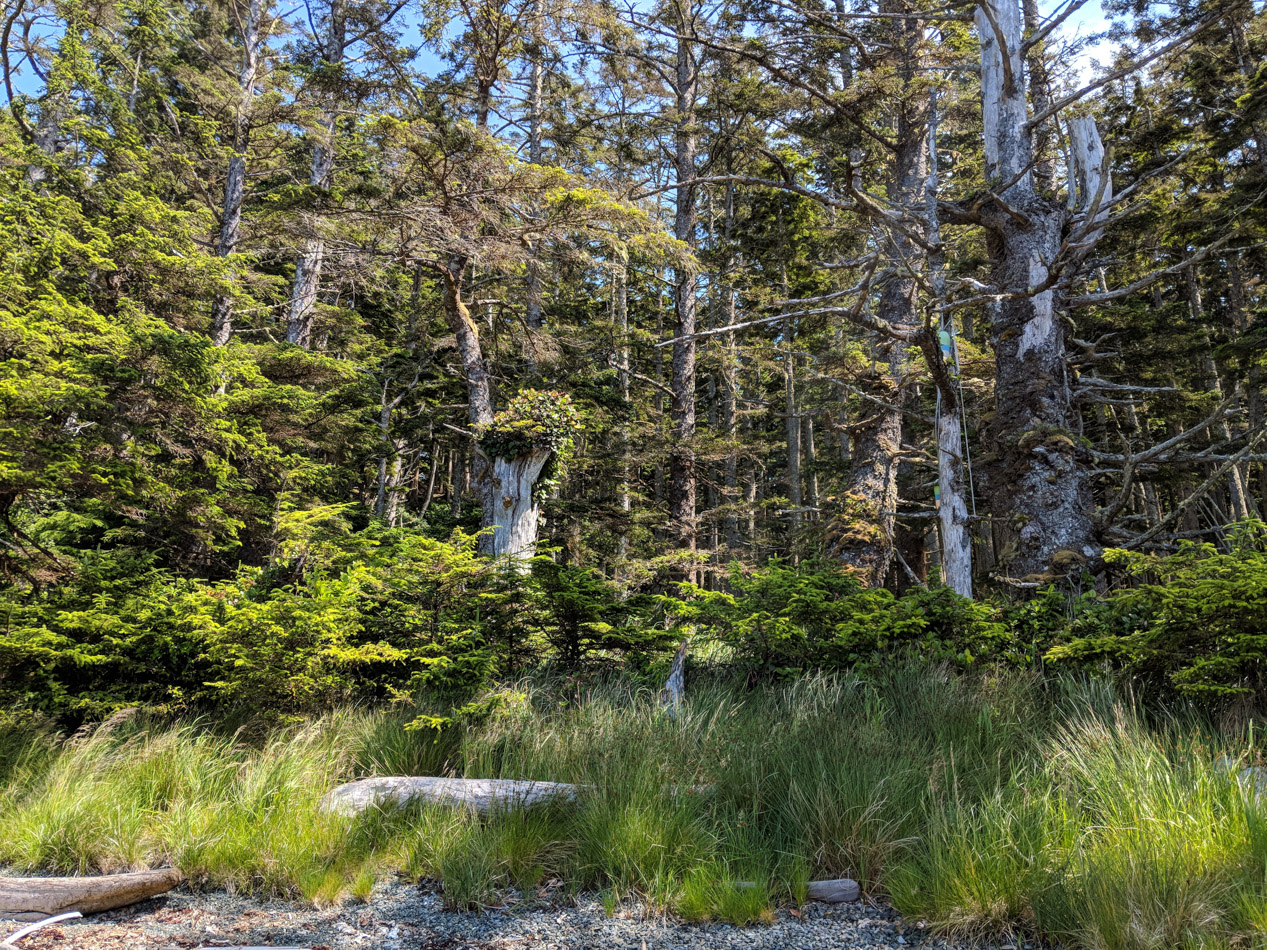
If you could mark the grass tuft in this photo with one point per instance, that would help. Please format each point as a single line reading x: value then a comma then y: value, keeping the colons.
x: 985, y: 805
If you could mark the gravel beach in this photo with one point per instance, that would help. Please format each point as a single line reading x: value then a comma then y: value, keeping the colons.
x: 404, y: 916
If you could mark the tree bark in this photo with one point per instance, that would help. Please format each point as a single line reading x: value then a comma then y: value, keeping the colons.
x: 864, y: 541
x: 510, y: 512
x: 792, y: 434
x: 510, y: 509
x: 482, y: 796
x: 871, y: 489
x: 730, y: 378
x: 811, y: 462
x: 682, y: 411
x: 952, y: 509
x: 235, y: 181
x: 534, y: 316
x: 1039, y: 489
x: 304, y: 287
x: 474, y: 371
x: 620, y: 319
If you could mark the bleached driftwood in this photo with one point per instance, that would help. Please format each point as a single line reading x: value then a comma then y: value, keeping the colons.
x: 839, y: 890
x: 25, y: 898
x: 13, y: 938
x: 481, y: 795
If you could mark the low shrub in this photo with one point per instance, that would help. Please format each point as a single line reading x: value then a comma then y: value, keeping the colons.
x: 1193, y: 622
x: 338, y: 616
x: 780, y: 619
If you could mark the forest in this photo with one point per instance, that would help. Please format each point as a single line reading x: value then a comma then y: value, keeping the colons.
x: 408, y: 387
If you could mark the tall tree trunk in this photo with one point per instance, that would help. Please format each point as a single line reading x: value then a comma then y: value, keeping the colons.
x: 871, y: 488
x: 1039, y: 489
x: 511, y: 511
x: 1240, y: 324
x: 811, y: 461
x: 620, y: 319
x: 792, y: 427
x: 865, y: 542
x: 307, y: 281
x: 682, y: 453
x: 479, y: 397
x: 953, y: 504
x: 235, y: 181
x: 730, y: 378
x: 536, y: 52
x: 385, y: 454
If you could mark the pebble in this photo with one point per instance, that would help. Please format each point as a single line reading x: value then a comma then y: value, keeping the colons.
x: 402, y: 916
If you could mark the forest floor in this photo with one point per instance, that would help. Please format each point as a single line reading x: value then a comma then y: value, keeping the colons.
x: 401, y: 916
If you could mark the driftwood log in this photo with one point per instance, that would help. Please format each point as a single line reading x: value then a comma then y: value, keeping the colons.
x: 481, y: 795
x: 30, y: 898
x: 839, y: 890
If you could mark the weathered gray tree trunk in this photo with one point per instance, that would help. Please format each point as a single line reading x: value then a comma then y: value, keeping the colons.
x: 511, y: 514
x: 536, y: 104
x: 811, y: 462
x: 482, y: 796
x: 952, y: 511
x: 24, y: 897
x: 1039, y: 489
x: 685, y: 288
x: 235, y: 181
x: 307, y: 281
x: 674, y: 692
x: 511, y: 510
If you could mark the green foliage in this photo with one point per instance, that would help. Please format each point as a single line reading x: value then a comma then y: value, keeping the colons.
x: 532, y: 420
x: 336, y: 615
x: 779, y: 620
x: 1196, y: 623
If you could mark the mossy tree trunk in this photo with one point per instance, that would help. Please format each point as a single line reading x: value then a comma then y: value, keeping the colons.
x: 1039, y: 489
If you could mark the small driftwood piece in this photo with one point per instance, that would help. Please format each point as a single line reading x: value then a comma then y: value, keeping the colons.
x: 13, y: 938
x: 480, y: 795
x: 31, y: 898
x: 837, y: 891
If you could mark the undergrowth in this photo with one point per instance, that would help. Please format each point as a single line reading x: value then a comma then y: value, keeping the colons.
x: 984, y: 804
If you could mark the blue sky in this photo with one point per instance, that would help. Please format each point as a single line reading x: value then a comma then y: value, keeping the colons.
x: 1087, y: 21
